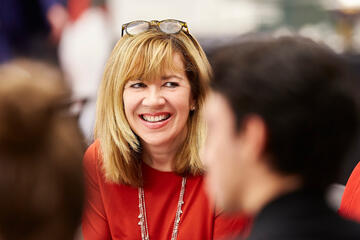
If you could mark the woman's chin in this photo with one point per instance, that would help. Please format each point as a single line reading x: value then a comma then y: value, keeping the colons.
x: 156, y: 142
x: 168, y: 140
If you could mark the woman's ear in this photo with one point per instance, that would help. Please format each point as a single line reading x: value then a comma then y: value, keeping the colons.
x: 192, y: 104
x: 253, y: 135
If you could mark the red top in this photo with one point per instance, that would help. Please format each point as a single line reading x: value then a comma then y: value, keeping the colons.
x: 350, y: 203
x: 112, y: 210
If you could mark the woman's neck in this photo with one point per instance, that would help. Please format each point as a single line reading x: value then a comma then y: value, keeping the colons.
x: 160, y: 159
x: 163, y: 157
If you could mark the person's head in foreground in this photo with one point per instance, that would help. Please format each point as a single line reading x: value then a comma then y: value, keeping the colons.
x: 278, y: 119
x: 41, y: 149
x: 149, y: 101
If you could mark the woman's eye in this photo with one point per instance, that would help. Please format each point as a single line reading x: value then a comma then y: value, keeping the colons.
x: 171, y: 84
x: 138, y: 85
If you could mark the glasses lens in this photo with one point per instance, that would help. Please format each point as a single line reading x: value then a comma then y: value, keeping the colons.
x: 170, y: 26
x: 137, y: 27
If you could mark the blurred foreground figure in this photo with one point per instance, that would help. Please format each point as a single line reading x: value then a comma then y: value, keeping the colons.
x: 41, y: 149
x: 280, y: 123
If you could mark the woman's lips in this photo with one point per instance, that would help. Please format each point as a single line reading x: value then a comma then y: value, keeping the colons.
x: 155, y: 120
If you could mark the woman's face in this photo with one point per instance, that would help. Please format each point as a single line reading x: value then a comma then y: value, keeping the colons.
x: 157, y: 109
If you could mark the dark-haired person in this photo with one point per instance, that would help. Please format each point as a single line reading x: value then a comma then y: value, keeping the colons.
x: 279, y: 124
x: 41, y: 148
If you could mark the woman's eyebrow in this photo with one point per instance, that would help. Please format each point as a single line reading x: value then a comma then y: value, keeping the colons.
x: 135, y: 80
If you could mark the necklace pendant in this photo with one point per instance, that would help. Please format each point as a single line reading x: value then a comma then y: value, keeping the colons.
x: 142, y: 215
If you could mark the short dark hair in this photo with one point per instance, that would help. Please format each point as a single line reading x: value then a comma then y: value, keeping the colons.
x: 296, y: 86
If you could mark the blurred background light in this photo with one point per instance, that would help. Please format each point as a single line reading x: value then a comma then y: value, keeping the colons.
x: 349, y: 3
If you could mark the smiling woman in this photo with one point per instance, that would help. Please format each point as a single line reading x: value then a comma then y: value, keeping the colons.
x: 144, y: 176
x: 135, y: 62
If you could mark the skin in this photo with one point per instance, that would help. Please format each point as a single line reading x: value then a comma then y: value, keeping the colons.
x: 57, y: 17
x: 239, y: 177
x: 166, y: 95
x: 219, y: 152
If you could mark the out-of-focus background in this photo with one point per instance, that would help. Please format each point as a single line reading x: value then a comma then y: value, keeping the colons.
x: 212, y: 21
x: 78, y: 35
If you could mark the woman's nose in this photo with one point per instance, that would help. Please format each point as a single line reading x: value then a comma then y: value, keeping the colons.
x: 153, y: 98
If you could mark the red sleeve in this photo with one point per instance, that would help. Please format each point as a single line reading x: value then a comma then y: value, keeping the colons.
x: 229, y: 226
x: 94, y: 222
x: 350, y: 203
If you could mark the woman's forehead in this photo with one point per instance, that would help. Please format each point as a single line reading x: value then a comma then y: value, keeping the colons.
x: 173, y: 64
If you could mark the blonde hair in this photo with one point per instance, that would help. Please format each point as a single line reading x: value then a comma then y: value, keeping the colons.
x: 144, y: 56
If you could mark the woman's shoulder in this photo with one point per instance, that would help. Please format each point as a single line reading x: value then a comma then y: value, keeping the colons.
x: 197, y: 179
x: 350, y: 203
x: 93, y: 147
x: 91, y: 156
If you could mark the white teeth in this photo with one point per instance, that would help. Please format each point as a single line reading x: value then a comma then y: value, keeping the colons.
x: 155, y: 118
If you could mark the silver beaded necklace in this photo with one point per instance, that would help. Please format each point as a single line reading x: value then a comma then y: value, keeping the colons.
x: 142, y: 213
